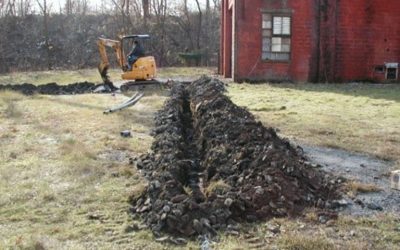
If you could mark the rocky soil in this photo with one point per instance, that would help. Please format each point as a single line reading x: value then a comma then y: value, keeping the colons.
x: 213, y: 166
x: 51, y: 88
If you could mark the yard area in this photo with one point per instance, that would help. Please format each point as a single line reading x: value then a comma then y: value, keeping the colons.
x: 66, y: 179
x: 356, y: 117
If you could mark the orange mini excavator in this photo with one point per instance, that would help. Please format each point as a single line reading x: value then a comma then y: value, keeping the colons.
x: 143, y: 71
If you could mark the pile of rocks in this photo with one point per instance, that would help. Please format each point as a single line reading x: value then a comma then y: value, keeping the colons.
x: 213, y: 165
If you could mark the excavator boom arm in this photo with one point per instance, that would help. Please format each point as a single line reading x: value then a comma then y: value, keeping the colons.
x: 116, y: 45
x: 102, y: 43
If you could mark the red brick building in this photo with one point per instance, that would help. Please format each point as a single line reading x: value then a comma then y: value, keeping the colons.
x: 310, y: 40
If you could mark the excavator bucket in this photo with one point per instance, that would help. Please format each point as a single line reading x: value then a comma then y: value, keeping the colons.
x: 103, y: 66
x: 103, y: 70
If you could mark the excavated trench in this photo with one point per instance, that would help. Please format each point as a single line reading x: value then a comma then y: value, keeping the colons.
x: 213, y: 166
x: 193, y: 177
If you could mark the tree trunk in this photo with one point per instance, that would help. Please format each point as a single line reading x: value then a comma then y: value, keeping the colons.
x: 199, y: 24
x: 45, y: 11
x: 146, y: 10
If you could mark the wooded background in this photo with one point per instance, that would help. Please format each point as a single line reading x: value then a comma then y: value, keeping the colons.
x: 37, y: 35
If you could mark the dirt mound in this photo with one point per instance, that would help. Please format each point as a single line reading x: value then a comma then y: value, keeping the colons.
x: 213, y: 165
x: 51, y: 88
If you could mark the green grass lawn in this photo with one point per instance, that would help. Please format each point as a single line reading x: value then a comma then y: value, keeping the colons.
x: 65, y: 180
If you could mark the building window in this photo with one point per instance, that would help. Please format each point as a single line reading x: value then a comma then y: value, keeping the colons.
x: 276, y: 37
x: 392, y: 71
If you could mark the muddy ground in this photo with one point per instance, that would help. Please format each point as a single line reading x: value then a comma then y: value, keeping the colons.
x: 159, y: 87
x: 360, y: 168
x: 51, y: 88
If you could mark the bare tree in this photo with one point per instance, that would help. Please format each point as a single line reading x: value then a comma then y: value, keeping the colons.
x: 24, y: 7
x: 217, y: 5
x: 72, y: 34
x: 45, y: 11
x: 121, y: 8
x: 81, y: 7
x: 68, y: 7
x: 2, y: 7
x: 15, y: 7
x: 160, y: 10
x: 136, y: 9
x: 199, y: 24
x: 184, y: 21
x: 127, y: 5
x: 146, y: 10
x: 10, y: 8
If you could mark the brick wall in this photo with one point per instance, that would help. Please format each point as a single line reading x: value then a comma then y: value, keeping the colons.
x: 332, y: 40
x: 368, y: 34
x: 249, y: 65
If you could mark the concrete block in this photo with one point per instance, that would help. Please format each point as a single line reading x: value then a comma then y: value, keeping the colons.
x: 395, y: 179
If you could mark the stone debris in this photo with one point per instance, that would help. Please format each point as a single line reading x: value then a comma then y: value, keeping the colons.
x: 126, y: 133
x: 213, y: 166
x: 374, y: 206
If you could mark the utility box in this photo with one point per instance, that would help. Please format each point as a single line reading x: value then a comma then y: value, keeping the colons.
x: 395, y: 179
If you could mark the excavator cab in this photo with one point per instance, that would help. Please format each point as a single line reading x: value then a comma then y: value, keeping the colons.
x: 145, y: 67
x: 142, y: 71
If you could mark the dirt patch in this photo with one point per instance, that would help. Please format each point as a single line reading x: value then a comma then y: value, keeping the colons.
x: 213, y: 166
x: 150, y: 87
x: 363, y: 170
x: 51, y: 88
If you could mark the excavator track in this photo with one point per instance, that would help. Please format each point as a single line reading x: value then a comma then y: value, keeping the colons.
x: 140, y: 85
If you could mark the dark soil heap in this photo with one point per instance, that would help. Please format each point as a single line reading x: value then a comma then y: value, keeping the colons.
x: 51, y: 88
x: 213, y: 165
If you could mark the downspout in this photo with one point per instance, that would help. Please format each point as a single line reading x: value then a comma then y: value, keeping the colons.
x: 222, y: 40
x: 317, y: 75
x: 334, y: 78
x: 234, y: 38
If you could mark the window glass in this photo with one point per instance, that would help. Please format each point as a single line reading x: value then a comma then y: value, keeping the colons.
x: 286, y: 26
x: 266, y: 46
x: 276, y: 40
x: 277, y: 25
x: 266, y: 23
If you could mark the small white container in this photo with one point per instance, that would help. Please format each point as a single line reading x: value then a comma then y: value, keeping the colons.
x: 395, y: 179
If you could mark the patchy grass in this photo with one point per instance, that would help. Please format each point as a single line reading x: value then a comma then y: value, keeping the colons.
x: 65, y: 177
x: 356, y: 117
x: 65, y: 181
x: 218, y: 187
x: 374, y: 232
x: 192, y: 72
x: 354, y: 187
x: 60, y: 77
x: 92, y: 75
x: 292, y: 241
x: 10, y: 100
